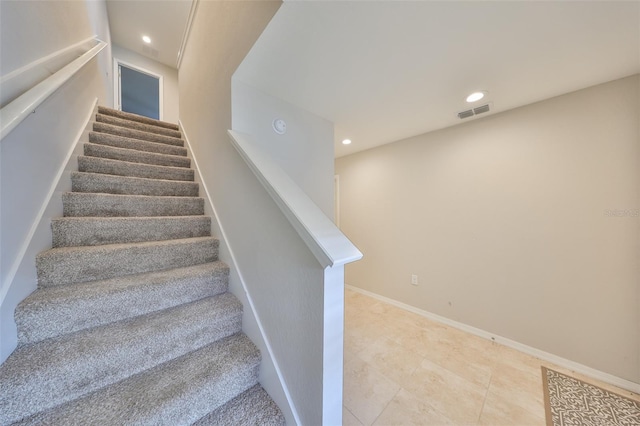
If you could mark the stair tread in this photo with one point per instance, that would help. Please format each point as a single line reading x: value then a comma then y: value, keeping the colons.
x: 131, y: 155
x: 131, y: 185
x: 136, y: 117
x: 110, y: 247
x: 253, y: 407
x: 90, y: 231
x: 54, y: 371
x: 110, y: 119
x: 127, y: 168
x: 136, y: 134
x: 136, y: 144
x: 68, y: 265
x: 120, y: 195
x: 55, y: 311
x: 108, y: 205
x: 132, y: 178
x: 117, y: 219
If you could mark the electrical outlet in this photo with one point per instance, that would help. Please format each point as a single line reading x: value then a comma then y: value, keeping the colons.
x: 414, y: 279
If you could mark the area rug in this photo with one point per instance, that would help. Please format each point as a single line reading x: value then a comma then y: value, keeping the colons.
x: 571, y: 402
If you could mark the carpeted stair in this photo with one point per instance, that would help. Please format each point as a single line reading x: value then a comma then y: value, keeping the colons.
x: 132, y: 322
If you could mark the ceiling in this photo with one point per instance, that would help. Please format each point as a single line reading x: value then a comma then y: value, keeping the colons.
x: 384, y: 71
x: 163, y: 21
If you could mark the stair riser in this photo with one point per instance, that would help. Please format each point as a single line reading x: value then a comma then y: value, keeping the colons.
x: 252, y: 407
x: 108, y: 184
x: 176, y: 393
x: 133, y: 156
x: 73, y: 232
x: 115, y: 121
x: 170, y: 412
x: 136, y: 118
x: 211, y: 395
x: 125, y: 299
x: 139, y: 145
x: 137, y: 134
x: 103, y: 262
x: 122, y: 168
x: 108, y: 354
x: 77, y: 204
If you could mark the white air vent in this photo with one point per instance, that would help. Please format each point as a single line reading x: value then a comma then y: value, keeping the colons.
x: 465, y: 114
x: 475, y: 111
x: 481, y: 109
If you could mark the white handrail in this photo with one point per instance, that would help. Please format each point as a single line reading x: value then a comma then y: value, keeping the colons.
x: 328, y: 244
x: 17, y: 110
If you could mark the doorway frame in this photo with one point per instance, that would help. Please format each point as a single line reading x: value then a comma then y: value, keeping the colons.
x: 336, y: 200
x: 116, y: 84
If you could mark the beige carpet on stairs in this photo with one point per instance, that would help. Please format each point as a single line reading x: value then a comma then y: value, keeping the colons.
x: 132, y: 322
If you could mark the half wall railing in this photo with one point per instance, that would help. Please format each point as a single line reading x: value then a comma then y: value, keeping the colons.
x: 317, y: 399
x: 327, y: 243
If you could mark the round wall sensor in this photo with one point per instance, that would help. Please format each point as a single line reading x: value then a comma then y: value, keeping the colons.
x: 279, y: 126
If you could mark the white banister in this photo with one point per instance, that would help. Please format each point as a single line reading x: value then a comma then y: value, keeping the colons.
x: 17, y: 110
x: 327, y: 243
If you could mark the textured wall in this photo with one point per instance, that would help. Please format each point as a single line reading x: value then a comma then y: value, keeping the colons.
x: 524, y: 224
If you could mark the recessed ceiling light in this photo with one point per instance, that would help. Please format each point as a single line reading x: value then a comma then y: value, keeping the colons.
x: 146, y: 39
x: 346, y: 142
x: 475, y: 96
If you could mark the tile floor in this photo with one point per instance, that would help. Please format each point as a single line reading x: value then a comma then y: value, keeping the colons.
x: 403, y: 369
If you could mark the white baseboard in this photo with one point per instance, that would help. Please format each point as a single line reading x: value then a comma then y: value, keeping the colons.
x: 223, y: 235
x: 546, y: 356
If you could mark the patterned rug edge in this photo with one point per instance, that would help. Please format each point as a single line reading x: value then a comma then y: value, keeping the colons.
x: 547, y: 402
x: 547, y: 395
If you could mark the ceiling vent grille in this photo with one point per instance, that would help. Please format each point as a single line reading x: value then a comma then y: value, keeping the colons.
x: 465, y: 114
x: 481, y: 109
x: 475, y: 111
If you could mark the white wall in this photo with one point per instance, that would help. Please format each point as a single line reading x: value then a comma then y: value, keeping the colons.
x: 169, y: 79
x: 304, y: 152
x: 524, y: 224
x: 57, y: 26
x: 205, y: 105
x: 36, y: 152
x: 99, y: 21
x: 283, y: 279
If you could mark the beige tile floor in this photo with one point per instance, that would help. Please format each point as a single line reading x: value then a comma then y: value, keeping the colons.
x: 403, y: 369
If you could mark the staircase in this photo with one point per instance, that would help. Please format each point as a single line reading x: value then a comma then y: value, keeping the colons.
x: 132, y: 322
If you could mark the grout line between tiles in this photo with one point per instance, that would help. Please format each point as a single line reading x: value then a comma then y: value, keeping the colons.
x: 492, y: 363
x: 385, y: 407
x: 344, y: 407
x: 486, y: 394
